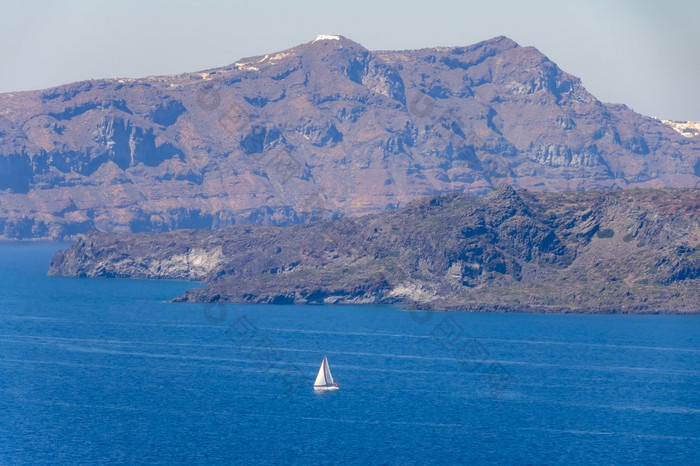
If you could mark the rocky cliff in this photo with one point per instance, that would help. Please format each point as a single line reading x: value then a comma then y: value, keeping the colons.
x: 322, y: 130
x: 622, y: 251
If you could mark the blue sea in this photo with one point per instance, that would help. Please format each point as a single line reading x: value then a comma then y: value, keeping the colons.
x: 99, y: 371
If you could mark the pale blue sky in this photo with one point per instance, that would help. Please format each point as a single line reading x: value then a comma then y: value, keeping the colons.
x: 642, y: 53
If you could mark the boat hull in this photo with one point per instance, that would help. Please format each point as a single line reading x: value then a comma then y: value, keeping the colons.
x: 324, y: 388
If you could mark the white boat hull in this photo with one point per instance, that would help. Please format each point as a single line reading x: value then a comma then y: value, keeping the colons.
x: 326, y: 388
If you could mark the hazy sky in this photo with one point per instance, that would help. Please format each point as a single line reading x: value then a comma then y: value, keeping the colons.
x: 642, y: 53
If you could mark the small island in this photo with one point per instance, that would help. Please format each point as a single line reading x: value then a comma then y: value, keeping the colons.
x: 632, y: 251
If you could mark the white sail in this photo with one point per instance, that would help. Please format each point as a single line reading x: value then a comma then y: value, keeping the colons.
x: 324, y: 378
x: 321, y: 377
x: 329, y: 376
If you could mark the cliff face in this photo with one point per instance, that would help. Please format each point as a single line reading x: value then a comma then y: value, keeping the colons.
x: 321, y: 130
x: 628, y: 251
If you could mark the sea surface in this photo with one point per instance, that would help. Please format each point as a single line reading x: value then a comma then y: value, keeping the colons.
x: 97, y: 371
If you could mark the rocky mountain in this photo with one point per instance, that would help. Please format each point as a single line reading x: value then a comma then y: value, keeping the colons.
x: 613, y: 251
x: 322, y: 130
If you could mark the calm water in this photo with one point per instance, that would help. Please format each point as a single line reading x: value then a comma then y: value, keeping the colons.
x: 105, y: 371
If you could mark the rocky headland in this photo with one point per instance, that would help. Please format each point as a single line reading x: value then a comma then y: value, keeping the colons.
x: 635, y: 251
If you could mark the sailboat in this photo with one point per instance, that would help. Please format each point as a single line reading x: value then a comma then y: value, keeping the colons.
x: 324, y: 379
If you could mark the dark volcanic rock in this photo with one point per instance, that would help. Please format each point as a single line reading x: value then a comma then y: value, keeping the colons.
x: 620, y: 251
x: 324, y: 129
